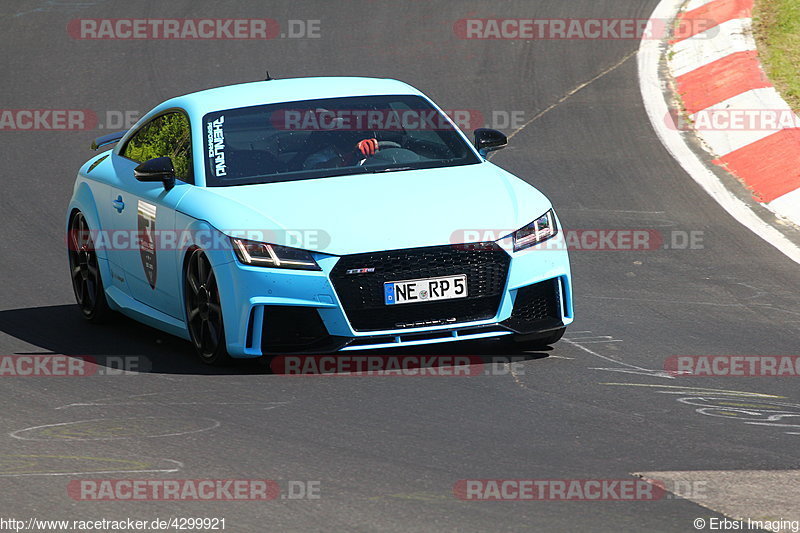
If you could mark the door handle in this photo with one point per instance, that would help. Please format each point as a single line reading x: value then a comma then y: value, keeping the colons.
x: 118, y: 204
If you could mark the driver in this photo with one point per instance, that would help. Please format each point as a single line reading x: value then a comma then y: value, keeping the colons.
x: 368, y: 146
x: 339, y: 150
x: 337, y: 147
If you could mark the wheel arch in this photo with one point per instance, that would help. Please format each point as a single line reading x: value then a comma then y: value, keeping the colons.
x: 83, y: 201
x: 199, y: 234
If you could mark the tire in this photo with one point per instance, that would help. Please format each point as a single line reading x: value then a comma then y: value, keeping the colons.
x: 87, y: 282
x: 204, y: 311
x: 530, y: 342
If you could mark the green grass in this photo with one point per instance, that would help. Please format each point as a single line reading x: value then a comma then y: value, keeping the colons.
x: 777, y: 28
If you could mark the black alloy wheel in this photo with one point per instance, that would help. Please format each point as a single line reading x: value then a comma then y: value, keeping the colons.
x: 204, y: 311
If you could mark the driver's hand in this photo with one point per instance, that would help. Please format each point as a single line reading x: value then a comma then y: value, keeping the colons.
x: 368, y: 146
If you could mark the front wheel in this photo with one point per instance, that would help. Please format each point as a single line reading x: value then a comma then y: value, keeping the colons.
x: 204, y: 311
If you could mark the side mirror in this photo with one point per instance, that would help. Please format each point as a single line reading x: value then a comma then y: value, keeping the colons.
x: 487, y: 140
x: 156, y: 169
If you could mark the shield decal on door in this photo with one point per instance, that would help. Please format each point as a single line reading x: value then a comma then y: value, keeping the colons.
x: 147, y: 241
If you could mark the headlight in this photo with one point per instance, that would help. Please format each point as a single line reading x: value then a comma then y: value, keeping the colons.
x: 536, y: 232
x: 271, y: 255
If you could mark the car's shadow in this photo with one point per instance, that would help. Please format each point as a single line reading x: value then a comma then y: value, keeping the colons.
x: 124, y: 344
x: 120, y: 343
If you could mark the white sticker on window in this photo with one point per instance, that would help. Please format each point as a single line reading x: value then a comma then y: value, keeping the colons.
x: 216, y: 146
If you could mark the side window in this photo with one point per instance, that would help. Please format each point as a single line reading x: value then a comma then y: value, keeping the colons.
x: 165, y: 136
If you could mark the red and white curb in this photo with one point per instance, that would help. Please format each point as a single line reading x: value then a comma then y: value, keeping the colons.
x: 718, y: 74
x: 704, y: 65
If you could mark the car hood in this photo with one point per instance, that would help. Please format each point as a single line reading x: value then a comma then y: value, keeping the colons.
x: 367, y: 212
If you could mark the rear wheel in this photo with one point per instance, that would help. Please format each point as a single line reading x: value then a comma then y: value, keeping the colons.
x: 85, y: 271
x: 204, y: 311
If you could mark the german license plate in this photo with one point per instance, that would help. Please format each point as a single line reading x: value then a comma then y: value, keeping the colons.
x: 425, y: 290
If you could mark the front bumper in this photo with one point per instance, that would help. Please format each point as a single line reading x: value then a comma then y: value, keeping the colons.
x: 290, y: 311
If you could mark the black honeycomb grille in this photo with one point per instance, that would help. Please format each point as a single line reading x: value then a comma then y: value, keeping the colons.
x: 362, y: 294
x: 536, y: 307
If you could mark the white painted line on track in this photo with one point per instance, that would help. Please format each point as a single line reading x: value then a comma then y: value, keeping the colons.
x: 94, y: 472
x: 628, y: 368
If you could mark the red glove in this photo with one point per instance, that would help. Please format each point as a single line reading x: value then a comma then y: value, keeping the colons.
x: 368, y: 146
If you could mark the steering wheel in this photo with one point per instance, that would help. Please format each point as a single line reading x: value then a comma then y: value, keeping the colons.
x: 381, y: 145
x: 388, y: 144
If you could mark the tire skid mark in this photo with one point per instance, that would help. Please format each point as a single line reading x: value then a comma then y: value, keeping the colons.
x: 759, y: 409
x: 23, y: 465
x: 115, y: 429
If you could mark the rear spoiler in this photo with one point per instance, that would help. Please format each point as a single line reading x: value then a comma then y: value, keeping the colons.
x: 105, y: 140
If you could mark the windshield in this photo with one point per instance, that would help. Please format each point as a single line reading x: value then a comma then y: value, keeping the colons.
x: 330, y: 137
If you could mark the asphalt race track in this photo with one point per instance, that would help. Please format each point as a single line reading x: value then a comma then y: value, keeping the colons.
x: 386, y: 453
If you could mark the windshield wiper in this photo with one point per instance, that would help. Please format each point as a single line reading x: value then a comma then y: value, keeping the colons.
x: 390, y: 169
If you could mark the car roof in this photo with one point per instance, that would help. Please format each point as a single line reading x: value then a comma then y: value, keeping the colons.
x: 285, y: 90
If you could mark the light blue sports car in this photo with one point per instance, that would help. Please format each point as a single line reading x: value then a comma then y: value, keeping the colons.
x: 314, y: 215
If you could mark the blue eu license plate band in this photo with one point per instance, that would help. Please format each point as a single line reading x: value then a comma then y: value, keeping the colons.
x: 388, y: 294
